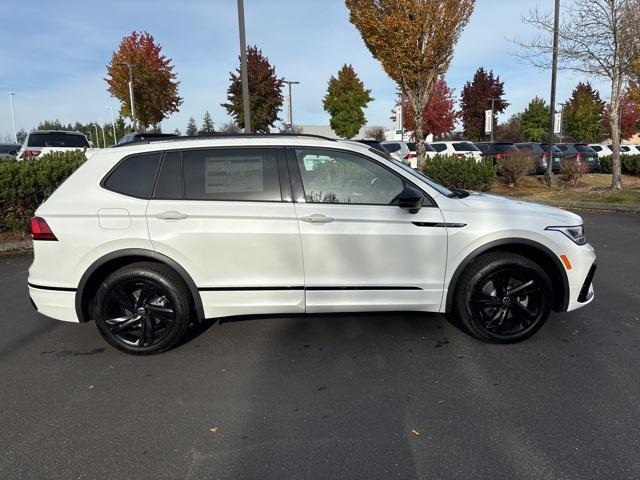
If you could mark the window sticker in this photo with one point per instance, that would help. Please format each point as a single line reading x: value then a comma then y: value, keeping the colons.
x: 231, y: 174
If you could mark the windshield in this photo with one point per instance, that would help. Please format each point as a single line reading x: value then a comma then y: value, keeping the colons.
x: 57, y: 140
x: 465, y: 147
x: 433, y: 184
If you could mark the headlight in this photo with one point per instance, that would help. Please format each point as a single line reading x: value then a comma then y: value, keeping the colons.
x: 575, y: 233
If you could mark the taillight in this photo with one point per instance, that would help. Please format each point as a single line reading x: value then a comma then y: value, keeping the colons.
x: 30, y: 153
x: 411, y: 155
x: 40, y: 230
x: 580, y: 157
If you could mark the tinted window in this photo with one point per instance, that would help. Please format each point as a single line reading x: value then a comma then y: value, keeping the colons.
x: 483, y: 147
x: 524, y: 148
x: 597, y: 148
x: 9, y: 148
x: 464, y: 147
x: 439, y: 147
x: 169, y: 185
x: 504, y: 147
x: 135, y: 175
x: 231, y: 174
x: 340, y: 177
x: 411, y: 146
x: 57, y: 140
x: 391, y: 147
x: 584, y: 148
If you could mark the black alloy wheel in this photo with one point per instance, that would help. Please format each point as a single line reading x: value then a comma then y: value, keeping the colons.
x: 142, y: 308
x: 505, y: 298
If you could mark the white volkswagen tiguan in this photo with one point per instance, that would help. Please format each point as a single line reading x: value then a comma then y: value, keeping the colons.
x: 147, y: 238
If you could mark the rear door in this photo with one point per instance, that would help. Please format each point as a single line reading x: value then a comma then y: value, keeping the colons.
x: 226, y: 215
x: 361, y: 251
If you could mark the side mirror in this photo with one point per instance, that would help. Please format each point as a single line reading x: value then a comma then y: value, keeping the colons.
x: 411, y: 199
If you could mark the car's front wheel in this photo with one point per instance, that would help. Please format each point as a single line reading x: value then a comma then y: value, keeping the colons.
x: 503, y: 297
x: 142, y: 308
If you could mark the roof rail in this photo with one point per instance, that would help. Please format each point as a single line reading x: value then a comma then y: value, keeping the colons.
x: 221, y: 135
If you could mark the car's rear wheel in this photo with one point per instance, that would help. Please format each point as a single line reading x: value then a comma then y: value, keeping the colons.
x: 503, y: 298
x: 142, y: 308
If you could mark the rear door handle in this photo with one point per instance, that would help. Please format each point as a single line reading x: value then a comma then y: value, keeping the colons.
x: 172, y: 215
x: 317, y: 218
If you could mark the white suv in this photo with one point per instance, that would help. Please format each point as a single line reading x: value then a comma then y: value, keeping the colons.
x: 460, y: 149
x: 146, y: 238
x: 40, y: 142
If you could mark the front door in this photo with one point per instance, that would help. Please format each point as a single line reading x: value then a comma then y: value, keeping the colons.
x: 226, y: 216
x: 361, y: 251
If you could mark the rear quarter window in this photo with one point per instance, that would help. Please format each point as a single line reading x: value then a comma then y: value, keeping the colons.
x: 134, y: 176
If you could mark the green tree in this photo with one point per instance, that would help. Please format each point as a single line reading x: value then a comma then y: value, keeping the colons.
x: 22, y: 135
x: 192, y: 129
x: 511, y: 130
x: 265, y: 93
x: 154, y: 82
x: 177, y: 132
x: 207, y: 123
x: 476, y: 99
x: 583, y: 114
x: 534, y: 122
x: 345, y: 101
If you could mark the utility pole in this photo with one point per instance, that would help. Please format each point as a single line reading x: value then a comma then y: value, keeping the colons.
x: 552, y: 108
x: 244, y: 74
x: 290, y: 113
x: 113, y: 124
x: 13, y: 116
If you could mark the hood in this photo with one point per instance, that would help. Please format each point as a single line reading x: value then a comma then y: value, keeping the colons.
x: 512, y: 206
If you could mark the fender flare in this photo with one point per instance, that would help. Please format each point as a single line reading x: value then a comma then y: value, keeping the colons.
x: 564, y: 301
x: 137, y: 252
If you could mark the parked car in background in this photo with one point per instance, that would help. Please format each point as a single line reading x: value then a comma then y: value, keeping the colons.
x: 9, y: 150
x: 149, y: 238
x: 539, y: 153
x: 371, y: 143
x: 460, y: 149
x: 495, y: 150
x: 406, y: 151
x: 581, y: 152
x: 40, y: 142
x: 601, y: 149
x: 141, y: 137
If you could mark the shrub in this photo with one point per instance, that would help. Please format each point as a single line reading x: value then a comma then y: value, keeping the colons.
x: 571, y: 170
x: 631, y: 164
x: 461, y: 172
x: 515, y: 165
x: 605, y: 164
x: 27, y: 183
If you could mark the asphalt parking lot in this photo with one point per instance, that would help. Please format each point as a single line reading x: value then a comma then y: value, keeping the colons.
x: 376, y: 396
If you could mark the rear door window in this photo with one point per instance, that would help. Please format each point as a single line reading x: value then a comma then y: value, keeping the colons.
x: 439, y: 147
x: 244, y: 174
x: 134, y: 176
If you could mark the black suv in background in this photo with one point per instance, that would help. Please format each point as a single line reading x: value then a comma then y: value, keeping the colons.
x: 539, y: 152
x: 9, y: 150
x: 581, y: 152
x: 496, y: 150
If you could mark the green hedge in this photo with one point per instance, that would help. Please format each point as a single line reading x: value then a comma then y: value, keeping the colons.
x: 462, y: 172
x: 630, y: 164
x: 25, y: 184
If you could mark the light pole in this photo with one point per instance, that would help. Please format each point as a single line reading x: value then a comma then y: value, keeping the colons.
x: 552, y: 108
x: 493, y: 109
x: 104, y: 138
x: 131, y: 95
x: 13, y: 116
x: 244, y: 74
x: 113, y: 124
x: 95, y: 125
x: 289, y: 82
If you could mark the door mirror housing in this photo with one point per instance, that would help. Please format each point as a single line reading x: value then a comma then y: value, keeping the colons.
x: 411, y: 199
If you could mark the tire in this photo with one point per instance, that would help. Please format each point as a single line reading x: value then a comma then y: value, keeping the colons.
x: 503, y: 297
x: 142, y: 308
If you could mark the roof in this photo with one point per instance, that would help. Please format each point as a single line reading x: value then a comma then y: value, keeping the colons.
x: 216, y: 138
x: 68, y: 132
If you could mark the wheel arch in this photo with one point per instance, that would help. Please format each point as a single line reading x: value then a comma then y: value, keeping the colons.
x: 530, y: 249
x: 119, y: 258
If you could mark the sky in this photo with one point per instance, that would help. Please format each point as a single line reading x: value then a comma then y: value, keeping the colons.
x: 54, y: 55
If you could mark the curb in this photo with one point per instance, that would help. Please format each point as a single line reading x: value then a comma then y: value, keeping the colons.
x: 16, y: 247
x: 604, y: 207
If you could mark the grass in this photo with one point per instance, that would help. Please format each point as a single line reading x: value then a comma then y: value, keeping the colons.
x: 591, y: 188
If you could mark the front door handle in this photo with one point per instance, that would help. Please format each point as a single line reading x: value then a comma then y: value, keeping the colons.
x: 172, y: 215
x: 317, y: 218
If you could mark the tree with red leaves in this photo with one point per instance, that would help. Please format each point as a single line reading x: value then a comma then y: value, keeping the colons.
x: 629, y: 114
x: 265, y: 93
x: 438, y: 116
x: 476, y: 98
x: 155, y: 87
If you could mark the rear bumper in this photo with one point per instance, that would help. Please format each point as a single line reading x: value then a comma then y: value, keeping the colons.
x: 54, y: 303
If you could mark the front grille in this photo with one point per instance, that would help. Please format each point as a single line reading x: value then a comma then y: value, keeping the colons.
x: 584, y: 291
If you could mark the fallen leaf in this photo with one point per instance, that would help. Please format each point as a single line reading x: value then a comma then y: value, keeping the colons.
x: 90, y: 387
x: 415, y: 432
x: 214, y: 429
